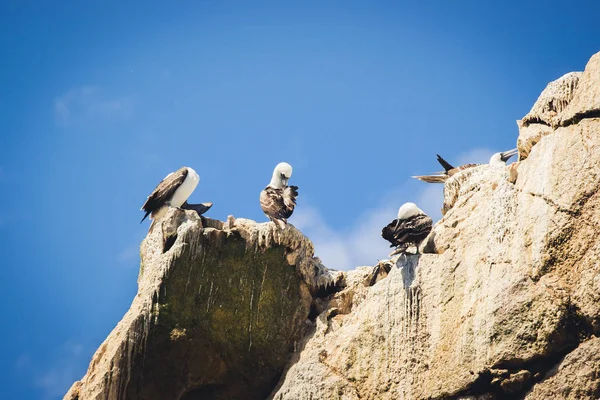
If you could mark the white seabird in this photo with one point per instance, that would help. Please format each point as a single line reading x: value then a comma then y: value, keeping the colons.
x: 278, y: 199
x: 411, y: 227
x: 173, y: 191
x: 498, y: 159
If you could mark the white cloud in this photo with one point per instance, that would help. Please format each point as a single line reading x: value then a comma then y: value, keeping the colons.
x: 362, y: 244
x: 329, y: 245
x: 89, y: 102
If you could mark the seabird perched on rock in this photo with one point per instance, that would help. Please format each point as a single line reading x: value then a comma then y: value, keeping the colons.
x: 411, y: 227
x: 173, y: 191
x: 498, y: 159
x: 278, y: 199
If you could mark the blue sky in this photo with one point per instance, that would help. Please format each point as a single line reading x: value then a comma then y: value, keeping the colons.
x: 100, y: 100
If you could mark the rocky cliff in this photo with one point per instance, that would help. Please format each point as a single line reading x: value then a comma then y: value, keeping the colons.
x: 502, y: 302
x: 220, y: 308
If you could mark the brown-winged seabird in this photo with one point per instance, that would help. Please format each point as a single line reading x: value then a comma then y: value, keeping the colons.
x: 173, y: 191
x: 498, y: 159
x: 278, y: 199
x: 411, y: 227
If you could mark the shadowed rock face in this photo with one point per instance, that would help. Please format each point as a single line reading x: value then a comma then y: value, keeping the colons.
x: 217, y: 314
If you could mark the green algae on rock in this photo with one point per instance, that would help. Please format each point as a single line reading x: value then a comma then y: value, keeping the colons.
x: 220, y: 308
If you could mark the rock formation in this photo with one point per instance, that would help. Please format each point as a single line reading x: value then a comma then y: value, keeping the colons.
x: 506, y: 302
x: 219, y: 309
x: 502, y: 303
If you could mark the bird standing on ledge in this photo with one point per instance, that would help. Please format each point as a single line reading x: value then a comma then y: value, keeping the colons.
x: 173, y: 191
x: 278, y: 199
x: 411, y: 227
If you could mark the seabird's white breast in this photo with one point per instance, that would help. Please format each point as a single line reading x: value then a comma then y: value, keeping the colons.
x: 184, y: 191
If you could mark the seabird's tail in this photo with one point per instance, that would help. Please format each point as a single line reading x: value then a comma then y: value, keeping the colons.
x: 432, y: 178
x: 447, y: 166
x: 398, y: 250
x: 145, y: 216
x: 199, y: 208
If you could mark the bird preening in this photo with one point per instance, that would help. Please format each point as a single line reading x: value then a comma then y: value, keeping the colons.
x: 278, y: 200
x: 410, y: 228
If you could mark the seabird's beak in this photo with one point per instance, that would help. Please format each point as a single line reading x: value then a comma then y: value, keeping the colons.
x: 284, y: 180
x: 505, y: 155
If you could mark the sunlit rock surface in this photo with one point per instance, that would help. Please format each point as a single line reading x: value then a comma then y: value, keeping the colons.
x: 505, y: 300
x: 217, y: 314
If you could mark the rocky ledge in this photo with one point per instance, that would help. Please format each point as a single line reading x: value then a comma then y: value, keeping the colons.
x: 219, y: 310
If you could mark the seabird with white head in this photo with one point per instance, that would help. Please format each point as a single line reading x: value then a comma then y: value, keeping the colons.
x: 410, y: 228
x: 500, y: 159
x: 173, y: 191
x: 497, y: 160
x: 278, y: 199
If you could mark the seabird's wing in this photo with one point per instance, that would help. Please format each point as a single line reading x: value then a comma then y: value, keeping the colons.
x: 447, y: 166
x: 388, y: 232
x: 164, y: 191
x: 271, y: 202
x: 289, y: 199
x: 442, y: 177
x: 432, y: 178
x: 461, y: 168
x: 413, y: 229
x: 278, y: 203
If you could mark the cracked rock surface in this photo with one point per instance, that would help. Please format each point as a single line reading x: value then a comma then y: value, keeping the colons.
x: 505, y: 301
x: 218, y: 311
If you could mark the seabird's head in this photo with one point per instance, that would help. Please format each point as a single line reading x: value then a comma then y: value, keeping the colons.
x: 409, y: 210
x: 502, y: 157
x: 281, y: 174
x: 193, y: 174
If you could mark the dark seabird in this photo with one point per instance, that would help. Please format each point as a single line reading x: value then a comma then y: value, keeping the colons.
x: 411, y: 227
